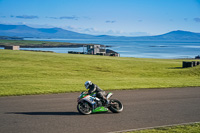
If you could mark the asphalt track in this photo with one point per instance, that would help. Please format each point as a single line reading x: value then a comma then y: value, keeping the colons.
x: 57, y: 113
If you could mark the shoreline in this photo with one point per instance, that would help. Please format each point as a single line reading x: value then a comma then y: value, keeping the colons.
x: 126, y: 48
x: 42, y: 44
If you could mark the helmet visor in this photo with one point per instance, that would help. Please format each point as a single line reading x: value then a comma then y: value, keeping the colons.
x: 87, y: 86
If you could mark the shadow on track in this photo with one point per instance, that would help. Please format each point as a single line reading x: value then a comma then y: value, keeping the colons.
x: 45, y: 113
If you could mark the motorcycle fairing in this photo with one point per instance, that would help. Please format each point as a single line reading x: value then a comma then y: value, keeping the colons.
x: 100, y: 109
x: 89, y: 99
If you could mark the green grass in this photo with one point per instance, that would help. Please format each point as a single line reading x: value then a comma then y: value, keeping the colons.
x: 190, y: 128
x: 25, y: 72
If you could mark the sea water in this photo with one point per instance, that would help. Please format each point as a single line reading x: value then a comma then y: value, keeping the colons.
x: 131, y: 48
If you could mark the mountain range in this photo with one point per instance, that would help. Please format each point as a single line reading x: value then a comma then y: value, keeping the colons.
x: 29, y: 32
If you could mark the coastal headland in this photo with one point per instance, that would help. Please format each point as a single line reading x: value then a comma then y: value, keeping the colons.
x: 40, y: 44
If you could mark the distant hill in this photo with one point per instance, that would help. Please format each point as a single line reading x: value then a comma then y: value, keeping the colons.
x: 173, y: 35
x: 170, y: 36
x: 26, y: 31
x: 179, y: 35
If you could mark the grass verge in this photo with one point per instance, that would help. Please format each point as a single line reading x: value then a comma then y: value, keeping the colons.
x: 25, y: 72
x: 190, y: 128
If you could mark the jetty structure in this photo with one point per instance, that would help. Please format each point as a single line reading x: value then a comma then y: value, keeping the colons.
x: 96, y: 49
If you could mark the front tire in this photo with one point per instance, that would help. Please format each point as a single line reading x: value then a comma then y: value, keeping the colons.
x: 115, y: 106
x: 84, y: 108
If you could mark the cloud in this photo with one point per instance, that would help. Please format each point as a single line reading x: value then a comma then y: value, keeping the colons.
x: 52, y: 17
x: 110, y: 21
x: 69, y: 17
x: 138, y: 34
x: 197, y: 20
x: 124, y: 33
x: 65, y: 17
x: 26, y: 17
x: 95, y: 31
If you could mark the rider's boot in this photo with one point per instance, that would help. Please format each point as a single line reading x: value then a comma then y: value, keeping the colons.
x: 105, y: 102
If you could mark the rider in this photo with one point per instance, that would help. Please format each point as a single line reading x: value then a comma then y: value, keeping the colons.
x: 99, y: 92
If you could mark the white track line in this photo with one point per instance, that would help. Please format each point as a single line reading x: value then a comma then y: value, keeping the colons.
x: 129, y: 130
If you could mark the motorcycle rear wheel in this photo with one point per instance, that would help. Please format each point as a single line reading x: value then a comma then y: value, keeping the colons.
x: 115, y: 106
x: 84, y: 108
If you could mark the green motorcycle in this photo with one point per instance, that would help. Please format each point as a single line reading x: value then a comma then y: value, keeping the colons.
x: 88, y: 104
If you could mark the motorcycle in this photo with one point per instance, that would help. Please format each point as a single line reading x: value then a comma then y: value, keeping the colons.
x: 88, y: 104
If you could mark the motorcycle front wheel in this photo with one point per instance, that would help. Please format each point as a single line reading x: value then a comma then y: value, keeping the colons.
x: 84, y: 108
x: 115, y: 106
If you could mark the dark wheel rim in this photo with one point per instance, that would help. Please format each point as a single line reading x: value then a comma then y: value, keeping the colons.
x: 84, y: 107
x: 116, y: 105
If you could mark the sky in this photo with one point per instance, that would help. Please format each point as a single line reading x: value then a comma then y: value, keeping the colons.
x: 105, y: 17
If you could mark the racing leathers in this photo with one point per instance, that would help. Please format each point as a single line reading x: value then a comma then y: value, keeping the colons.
x: 99, y: 93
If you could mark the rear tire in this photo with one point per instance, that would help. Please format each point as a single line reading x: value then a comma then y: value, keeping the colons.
x: 84, y: 108
x: 115, y: 106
